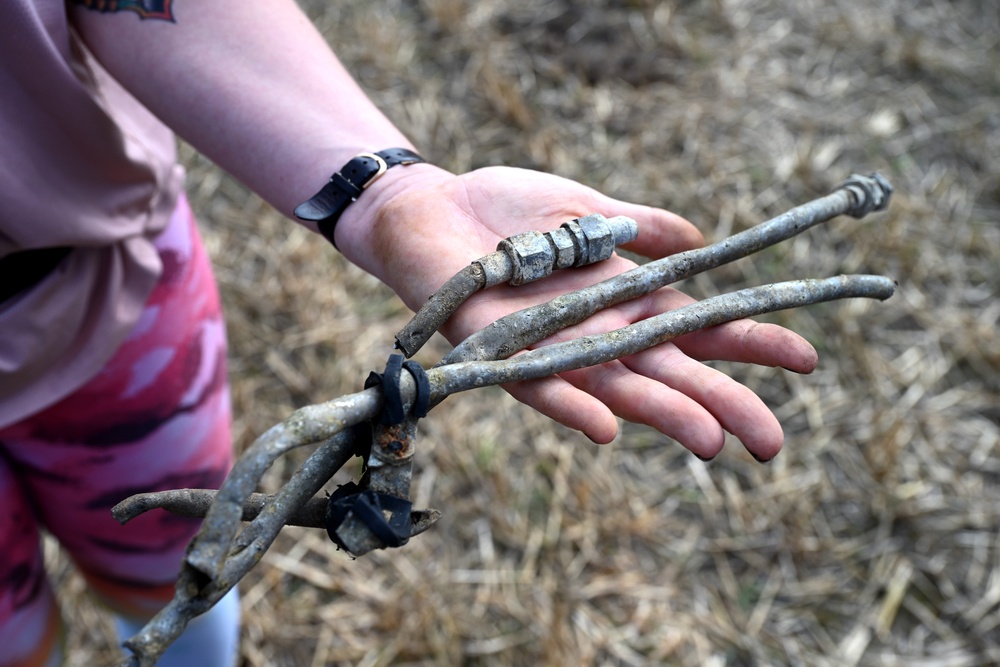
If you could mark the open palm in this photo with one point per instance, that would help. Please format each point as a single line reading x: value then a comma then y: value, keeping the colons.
x: 421, y: 234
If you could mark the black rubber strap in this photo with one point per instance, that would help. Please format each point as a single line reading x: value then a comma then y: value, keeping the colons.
x: 345, y: 186
x: 392, y: 399
x: 393, y: 411
x: 369, y: 507
x: 422, y: 401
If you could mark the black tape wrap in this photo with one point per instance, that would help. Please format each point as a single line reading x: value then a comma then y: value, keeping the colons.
x: 393, y: 411
x: 366, y: 505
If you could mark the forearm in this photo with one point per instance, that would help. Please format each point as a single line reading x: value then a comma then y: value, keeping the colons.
x: 256, y: 88
x: 252, y: 85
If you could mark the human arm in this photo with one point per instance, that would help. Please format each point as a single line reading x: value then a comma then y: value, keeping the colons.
x: 254, y: 87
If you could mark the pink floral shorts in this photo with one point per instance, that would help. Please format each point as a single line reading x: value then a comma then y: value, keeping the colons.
x: 156, y: 417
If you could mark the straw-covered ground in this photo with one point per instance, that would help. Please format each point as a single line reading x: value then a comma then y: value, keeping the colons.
x: 871, y: 540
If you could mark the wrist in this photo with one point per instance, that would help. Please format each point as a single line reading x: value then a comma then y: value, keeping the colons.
x: 346, y: 185
x: 363, y: 223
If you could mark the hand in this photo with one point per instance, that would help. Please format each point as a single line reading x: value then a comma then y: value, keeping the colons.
x: 422, y: 226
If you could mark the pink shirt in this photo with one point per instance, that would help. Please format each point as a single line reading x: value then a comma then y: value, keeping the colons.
x: 82, y: 164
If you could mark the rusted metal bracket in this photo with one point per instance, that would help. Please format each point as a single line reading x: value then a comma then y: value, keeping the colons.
x: 376, y: 514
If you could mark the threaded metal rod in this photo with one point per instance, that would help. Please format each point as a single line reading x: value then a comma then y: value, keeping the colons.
x: 519, y: 259
x: 857, y: 196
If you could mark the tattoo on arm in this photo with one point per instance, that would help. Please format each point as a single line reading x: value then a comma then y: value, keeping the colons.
x: 146, y: 9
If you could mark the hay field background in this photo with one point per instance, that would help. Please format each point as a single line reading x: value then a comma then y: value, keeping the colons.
x: 871, y: 540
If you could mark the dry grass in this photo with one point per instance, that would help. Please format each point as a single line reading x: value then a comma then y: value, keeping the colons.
x: 872, y: 539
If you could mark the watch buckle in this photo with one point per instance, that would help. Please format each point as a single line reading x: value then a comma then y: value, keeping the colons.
x: 382, y: 168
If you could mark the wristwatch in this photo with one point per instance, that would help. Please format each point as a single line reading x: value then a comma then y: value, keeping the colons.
x: 345, y: 186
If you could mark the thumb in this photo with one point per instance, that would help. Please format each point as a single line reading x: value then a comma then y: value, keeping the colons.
x: 661, y: 232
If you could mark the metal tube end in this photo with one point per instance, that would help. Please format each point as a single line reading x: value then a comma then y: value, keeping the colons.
x: 869, y: 193
x: 623, y: 229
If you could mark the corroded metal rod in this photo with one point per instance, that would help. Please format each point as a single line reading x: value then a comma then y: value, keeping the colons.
x: 194, y: 503
x: 305, y: 426
x: 598, y: 349
x: 858, y: 196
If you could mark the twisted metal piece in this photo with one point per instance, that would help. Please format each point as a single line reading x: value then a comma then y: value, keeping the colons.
x: 305, y: 426
x: 497, y: 341
x: 194, y: 504
x: 220, y: 555
x: 538, y: 363
x: 195, y: 593
x: 526, y: 327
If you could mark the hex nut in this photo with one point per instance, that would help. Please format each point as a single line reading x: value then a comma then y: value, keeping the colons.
x: 565, y: 249
x: 531, y: 254
x: 868, y: 193
x: 600, y: 238
x: 579, y: 241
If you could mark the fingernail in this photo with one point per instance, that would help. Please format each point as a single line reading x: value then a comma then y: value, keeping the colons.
x: 706, y: 459
x: 759, y: 459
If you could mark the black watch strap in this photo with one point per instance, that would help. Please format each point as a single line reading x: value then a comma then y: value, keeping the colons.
x: 346, y: 186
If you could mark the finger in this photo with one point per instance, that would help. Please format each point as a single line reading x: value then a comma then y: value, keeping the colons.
x: 743, y: 340
x: 734, y: 406
x: 641, y: 400
x: 752, y: 342
x: 555, y: 398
